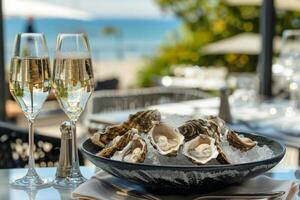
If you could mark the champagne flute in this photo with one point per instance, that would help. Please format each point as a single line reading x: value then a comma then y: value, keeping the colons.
x: 29, y: 84
x: 73, y: 84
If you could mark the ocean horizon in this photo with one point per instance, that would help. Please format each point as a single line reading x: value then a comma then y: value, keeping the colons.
x: 139, y: 37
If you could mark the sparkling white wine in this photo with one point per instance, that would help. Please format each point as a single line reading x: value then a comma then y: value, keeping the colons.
x: 30, y: 83
x: 73, y: 82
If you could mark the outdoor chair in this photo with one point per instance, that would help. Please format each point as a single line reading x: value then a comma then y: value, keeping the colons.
x: 14, y: 145
x: 109, y: 84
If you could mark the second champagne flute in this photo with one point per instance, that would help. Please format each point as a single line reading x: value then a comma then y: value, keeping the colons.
x: 73, y: 84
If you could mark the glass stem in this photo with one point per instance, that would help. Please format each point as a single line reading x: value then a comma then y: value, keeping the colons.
x: 292, y: 88
x: 31, y: 162
x: 75, y: 177
x: 75, y: 159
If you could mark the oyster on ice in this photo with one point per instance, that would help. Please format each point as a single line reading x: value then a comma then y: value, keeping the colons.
x: 221, y: 123
x: 103, y: 138
x: 240, y: 142
x: 192, y: 128
x: 222, y: 157
x: 134, y: 152
x: 201, y: 149
x: 142, y: 121
x: 165, y: 139
x: 117, y: 144
x: 95, y: 139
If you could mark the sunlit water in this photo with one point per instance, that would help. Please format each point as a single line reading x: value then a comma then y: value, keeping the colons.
x: 140, y: 37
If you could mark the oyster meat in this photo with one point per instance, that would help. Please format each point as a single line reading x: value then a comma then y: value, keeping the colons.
x: 201, y: 149
x: 165, y: 139
x: 142, y: 121
x: 240, y: 142
x: 117, y: 144
x: 134, y: 152
x: 192, y: 128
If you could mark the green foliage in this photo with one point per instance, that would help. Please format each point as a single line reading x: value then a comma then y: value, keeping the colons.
x: 204, y: 22
x: 17, y: 90
x: 110, y: 31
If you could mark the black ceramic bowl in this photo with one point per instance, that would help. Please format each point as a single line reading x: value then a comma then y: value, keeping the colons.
x: 180, y: 179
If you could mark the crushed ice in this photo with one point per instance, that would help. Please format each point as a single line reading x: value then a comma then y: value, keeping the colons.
x: 235, y: 156
x: 255, y: 154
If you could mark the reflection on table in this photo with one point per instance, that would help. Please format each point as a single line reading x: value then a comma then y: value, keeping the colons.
x: 9, y: 193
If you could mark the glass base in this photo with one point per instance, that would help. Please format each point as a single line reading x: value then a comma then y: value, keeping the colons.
x: 291, y: 112
x: 71, y: 181
x: 31, y: 182
x: 68, y: 183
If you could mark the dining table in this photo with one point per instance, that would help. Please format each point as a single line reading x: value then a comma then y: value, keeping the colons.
x: 7, y: 192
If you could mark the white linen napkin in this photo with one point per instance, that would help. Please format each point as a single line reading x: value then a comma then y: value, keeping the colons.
x: 99, y: 187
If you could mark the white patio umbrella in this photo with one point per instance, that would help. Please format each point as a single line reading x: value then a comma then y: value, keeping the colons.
x: 244, y: 43
x: 292, y: 5
x: 133, y: 9
x: 41, y: 9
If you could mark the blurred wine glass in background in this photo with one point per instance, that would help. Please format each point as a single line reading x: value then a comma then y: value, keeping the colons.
x: 289, y: 58
x: 245, y: 87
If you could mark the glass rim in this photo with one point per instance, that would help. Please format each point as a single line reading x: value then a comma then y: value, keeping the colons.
x: 82, y: 35
x: 30, y: 34
x: 39, y: 36
x: 71, y: 34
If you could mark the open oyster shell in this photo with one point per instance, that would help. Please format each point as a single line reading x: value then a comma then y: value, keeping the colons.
x: 165, y: 139
x: 222, y: 157
x: 192, y: 128
x: 201, y: 149
x: 219, y: 122
x: 117, y: 144
x: 96, y: 140
x: 240, y: 142
x: 103, y: 138
x: 142, y: 121
x: 134, y: 152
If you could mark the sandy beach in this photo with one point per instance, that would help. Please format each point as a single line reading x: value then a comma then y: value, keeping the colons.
x: 125, y: 71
